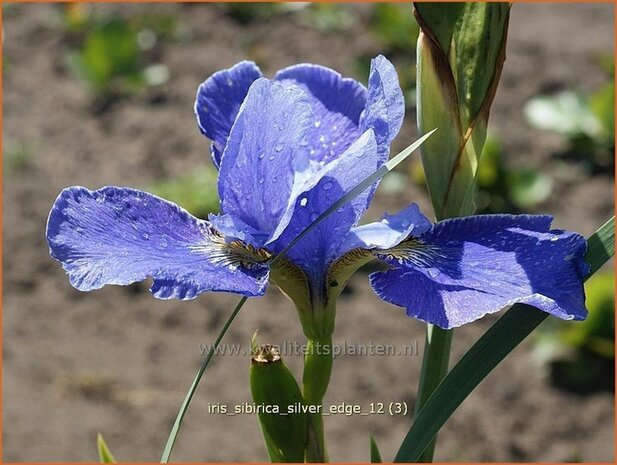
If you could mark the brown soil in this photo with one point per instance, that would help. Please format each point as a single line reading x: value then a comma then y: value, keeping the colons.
x: 119, y: 362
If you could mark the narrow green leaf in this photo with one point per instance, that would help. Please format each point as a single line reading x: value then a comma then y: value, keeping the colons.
x: 353, y: 193
x: 375, y: 455
x: 500, y: 339
x: 105, y: 455
x: 601, y: 246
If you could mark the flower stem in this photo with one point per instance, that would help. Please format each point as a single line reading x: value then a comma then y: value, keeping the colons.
x: 434, y: 369
x: 315, y: 379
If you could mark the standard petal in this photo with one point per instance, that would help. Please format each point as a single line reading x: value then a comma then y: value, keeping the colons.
x: 218, y: 100
x: 315, y: 251
x: 337, y: 104
x: 387, y: 232
x: 120, y: 236
x: 385, y: 106
x: 267, y: 146
x: 385, y: 109
x: 463, y: 269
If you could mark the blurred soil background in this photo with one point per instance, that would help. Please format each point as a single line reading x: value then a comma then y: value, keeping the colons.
x: 100, y: 95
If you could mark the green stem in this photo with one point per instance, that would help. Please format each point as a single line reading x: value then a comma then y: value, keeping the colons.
x: 317, y: 370
x: 434, y: 369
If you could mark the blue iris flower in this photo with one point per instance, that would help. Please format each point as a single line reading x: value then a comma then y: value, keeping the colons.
x: 286, y: 150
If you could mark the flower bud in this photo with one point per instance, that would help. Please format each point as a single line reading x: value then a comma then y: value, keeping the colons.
x: 461, y: 50
x: 274, y: 387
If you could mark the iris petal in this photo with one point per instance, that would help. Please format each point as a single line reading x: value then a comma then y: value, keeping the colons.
x: 385, y: 109
x: 337, y: 104
x: 463, y: 269
x: 218, y: 100
x: 267, y: 146
x: 387, y: 232
x: 121, y: 236
x: 385, y: 106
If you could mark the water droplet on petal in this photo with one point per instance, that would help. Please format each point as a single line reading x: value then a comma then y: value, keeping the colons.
x: 327, y: 185
x: 280, y: 146
x: 317, y: 124
x: 434, y: 273
x: 303, y: 202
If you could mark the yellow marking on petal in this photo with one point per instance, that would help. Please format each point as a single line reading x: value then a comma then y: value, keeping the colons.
x: 232, y: 253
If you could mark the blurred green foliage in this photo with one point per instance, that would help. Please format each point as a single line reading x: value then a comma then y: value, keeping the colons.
x: 587, y: 121
x: 327, y: 17
x: 396, y: 31
x: 395, y: 27
x: 196, y: 191
x: 249, y: 12
x: 501, y: 189
x: 580, y: 356
x: 109, y: 58
x: 15, y: 157
x: 112, y: 52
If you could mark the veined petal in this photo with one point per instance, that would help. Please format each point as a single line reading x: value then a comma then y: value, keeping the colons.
x: 218, y: 100
x: 267, y: 146
x: 464, y: 268
x: 385, y: 106
x: 387, y: 232
x: 337, y: 104
x: 315, y: 251
x: 120, y: 236
x: 385, y: 109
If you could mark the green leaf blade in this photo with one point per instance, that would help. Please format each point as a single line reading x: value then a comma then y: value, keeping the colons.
x: 375, y: 455
x: 105, y: 455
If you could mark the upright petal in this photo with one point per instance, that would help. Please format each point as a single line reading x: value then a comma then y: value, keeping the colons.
x: 266, y: 147
x: 385, y: 109
x: 218, y: 100
x: 315, y: 251
x: 465, y: 268
x: 120, y: 236
x: 385, y: 106
x: 337, y: 104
